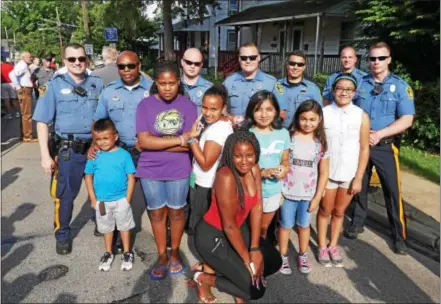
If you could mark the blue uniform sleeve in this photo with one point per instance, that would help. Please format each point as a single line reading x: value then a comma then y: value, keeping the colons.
x: 406, y: 104
x: 102, y: 108
x: 129, y: 165
x: 317, y: 95
x: 46, y: 106
x: 327, y: 90
x: 90, y: 167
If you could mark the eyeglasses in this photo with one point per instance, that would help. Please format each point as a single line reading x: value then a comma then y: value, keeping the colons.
x: 299, y: 64
x: 340, y: 90
x: 381, y: 58
x: 130, y: 66
x: 251, y: 58
x: 74, y: 59
x: 195, y: 63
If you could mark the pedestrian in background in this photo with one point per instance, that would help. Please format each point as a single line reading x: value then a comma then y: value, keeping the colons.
x: 9, y: 94
x: 109, y: 72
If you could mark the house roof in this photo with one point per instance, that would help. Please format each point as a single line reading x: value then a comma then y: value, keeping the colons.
x: 287, y: 10
x: 192, y: 25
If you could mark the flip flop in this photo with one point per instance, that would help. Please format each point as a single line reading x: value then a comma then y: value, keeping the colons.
x: 160, y: 269
x: 179, y: 263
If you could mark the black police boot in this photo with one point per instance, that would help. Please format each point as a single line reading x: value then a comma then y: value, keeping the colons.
x: 353, y: 231
x: 64, y: 247
x: 400, y: 247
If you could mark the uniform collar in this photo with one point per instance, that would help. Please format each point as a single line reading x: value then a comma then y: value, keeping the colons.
x: 286, y: 83
x: 259, y: 76
x: 70, y: 80
x: 142, y: 83
x: 385, y: 80
x: 199, y: 83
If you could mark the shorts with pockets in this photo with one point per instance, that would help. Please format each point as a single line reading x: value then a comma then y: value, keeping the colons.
x: 272, y: 203
x: 161, y: 193
x: 118, y: 212
x: 295, y: 212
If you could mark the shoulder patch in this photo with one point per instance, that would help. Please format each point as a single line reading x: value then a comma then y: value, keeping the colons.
x: 42, y: 90
x: 279, y: 88
x: 409, y: 92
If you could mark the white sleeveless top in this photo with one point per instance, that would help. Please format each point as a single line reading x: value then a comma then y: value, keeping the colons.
x: 342, y: 128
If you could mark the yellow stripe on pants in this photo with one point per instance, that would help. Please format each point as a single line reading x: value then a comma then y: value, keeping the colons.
x: 400, y: 199
x: 53, y: 189
x: 375, y: 179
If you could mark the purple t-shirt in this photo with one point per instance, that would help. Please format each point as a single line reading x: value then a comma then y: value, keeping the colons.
x: 164, y: 119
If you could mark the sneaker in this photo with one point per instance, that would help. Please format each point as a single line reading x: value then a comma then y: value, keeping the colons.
x: 323, y: 257
x: 335, y: 255
x: 17, y: 115
x: 8, y: 116
x: 303, y: 263
x: 127, y: 261
x: 286, y: 268
x: 106, y: 262
x: 353, y: 231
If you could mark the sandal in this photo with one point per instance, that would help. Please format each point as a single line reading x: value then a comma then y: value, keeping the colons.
x: 175, y: 265
x: 198, y: 267
x: 194, y: 283
x: 162, y: 269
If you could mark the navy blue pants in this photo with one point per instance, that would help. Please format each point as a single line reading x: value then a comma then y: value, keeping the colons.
x: 65, y: 186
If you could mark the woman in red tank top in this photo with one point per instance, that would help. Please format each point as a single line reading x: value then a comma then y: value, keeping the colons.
x: 236, y: 259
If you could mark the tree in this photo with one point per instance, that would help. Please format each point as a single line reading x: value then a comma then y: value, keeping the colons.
x: 411, y: 27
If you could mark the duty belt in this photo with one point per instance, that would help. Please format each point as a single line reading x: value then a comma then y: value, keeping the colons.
x: 78, y: 145
x: 132, y: 150
x: 386, y: 141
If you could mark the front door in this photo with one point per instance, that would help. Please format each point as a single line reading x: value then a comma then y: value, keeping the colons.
x: 297, y: 38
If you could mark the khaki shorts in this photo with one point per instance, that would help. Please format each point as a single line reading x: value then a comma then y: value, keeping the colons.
x: 118, y: 212
x: 272, y: 203
x: 332, y: 184
x: 8, y: 91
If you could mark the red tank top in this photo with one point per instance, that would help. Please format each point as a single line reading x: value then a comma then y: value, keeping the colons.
x: 213, y: 218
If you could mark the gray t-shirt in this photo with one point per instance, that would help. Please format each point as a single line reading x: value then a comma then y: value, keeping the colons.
x: 108, y: 73
x: 43, y: 75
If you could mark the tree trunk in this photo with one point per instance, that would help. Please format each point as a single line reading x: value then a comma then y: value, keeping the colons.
x: 85, y: 20
x: 169, y: 53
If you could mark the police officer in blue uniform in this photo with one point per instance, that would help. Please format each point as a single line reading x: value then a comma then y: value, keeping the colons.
x: 193, y: 83
x: 294, y: 89
x: 242, y: 85
x: 389, y: 101
x: 69, y: 103
x: 348, y: 58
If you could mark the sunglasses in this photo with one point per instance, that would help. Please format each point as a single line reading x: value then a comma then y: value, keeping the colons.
x: 195, y: 63
x: 251, y: 58
x: 381, y: 58
x: 131, y: 66
x: 299, y: 64
x: 74, y: 59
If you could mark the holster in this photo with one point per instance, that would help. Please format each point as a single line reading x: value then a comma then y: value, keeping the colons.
x: 53, y: 145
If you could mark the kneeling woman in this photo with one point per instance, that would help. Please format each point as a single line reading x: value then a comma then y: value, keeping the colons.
x: 232, y: 248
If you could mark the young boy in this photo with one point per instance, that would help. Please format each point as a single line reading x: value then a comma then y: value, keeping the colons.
x: 110, y: 181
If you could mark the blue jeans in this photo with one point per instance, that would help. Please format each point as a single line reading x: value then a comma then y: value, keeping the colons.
x: 170, y: 193
x: 295, y: 212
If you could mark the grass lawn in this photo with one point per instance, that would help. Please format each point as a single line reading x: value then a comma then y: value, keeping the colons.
x: 421, y: 163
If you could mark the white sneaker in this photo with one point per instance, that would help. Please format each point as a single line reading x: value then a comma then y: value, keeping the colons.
x: 106, y: 262
x: 8, y: 116
x: 127, y: 261
x: 17, y: 115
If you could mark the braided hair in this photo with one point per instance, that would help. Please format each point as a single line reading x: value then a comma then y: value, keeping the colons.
x: 163, y: 66
x: 239, y: 136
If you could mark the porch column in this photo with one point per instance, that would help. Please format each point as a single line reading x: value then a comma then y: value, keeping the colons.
x: 317, y: 31
x: 216, y: 52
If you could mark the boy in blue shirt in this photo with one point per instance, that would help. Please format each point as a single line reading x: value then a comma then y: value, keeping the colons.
x: 110, y: 182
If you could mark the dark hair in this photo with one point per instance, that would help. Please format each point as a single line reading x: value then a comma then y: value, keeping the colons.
x: 218, y: 90
x: 239, y: 136
x: 256, y: 102
x: 104, y: 124
x: 163, y: 66
x: 296, y: 53
x: 319, y: 133
x: 75, y: 46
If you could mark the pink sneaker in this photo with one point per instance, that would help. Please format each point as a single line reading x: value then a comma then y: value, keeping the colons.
x: 336, y: 257
x: 303, y: 263
x: 323, y: 257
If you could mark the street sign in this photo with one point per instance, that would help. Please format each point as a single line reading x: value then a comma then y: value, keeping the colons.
x: 111, y: 34
x: 89, y: 49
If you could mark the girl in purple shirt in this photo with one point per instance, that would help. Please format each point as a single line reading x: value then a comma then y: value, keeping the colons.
x: 164, y: 167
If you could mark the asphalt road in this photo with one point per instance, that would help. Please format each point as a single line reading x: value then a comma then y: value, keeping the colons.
x: 33, y: 272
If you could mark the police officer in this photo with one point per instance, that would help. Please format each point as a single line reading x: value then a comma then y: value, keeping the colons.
x: 294, y: 89
x: 389, y: 101
x: 193, y: 83
x: 119, y: 101
x: 242, y: 85
x: 69, y: 103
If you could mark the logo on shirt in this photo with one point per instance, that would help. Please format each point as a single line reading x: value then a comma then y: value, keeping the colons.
x: 199, y: 93
x: 392, y: 88
x: 169, y: 122
x: 272, y: 148
x: 66, y: 91
x: 302, y: 162
x: 279, y: 88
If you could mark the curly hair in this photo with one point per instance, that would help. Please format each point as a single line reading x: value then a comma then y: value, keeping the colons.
x: 239, y: 136
x: 163, y: 66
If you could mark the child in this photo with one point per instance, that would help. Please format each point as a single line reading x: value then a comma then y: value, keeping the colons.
x: 347, y: 133
x: 304, y: 185
x: 263, y: 115
x: 110, y: 181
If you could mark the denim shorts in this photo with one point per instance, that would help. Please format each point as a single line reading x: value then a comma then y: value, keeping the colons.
x: 295, y: 212
x: 160, y: 193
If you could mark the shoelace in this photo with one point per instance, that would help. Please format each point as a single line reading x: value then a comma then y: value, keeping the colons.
x: 324, y: 252
x: 304, y: 260
x: 334, y: 252
x: 128, y: 257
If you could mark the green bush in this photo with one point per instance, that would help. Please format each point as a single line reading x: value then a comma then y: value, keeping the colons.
x: 320, y: 80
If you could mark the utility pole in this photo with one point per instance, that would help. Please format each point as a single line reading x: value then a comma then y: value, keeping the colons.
x: 85, y: 20
x: 59, y: 32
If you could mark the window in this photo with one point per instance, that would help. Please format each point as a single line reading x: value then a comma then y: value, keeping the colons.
x: 231, y: 40
x: 232, y: 7
x: 281, y: 41
x: 347, y: 33
x: 297, y: 39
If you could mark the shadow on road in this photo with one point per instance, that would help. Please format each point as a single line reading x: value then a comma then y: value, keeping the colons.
x: 10, y: 176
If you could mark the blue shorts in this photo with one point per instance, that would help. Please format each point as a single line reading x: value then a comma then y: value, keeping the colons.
x: 170, y: 193
x: 295, y: 212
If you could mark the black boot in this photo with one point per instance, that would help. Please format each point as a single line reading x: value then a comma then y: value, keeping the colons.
x: 400, y: 247
x: 353, y: 231
x: 64, y: 247
x: 118, y: 242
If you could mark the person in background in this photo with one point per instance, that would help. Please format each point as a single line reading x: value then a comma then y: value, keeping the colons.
x: 42, y: 75
x: 109, y: 72
x: 35, y: 64
x: 9, y: 95
x: 347, y: 134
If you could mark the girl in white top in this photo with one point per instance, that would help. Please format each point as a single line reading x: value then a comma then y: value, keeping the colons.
x: 347, y: 134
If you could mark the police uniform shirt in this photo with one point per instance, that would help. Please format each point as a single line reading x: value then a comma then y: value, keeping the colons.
x: 395, y: 99
x: 196, y: 92
x: 119, y: 103
x: 70, y: 112
x: 327, y: 90
x: 241, y: 89
x: 290, y: 96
